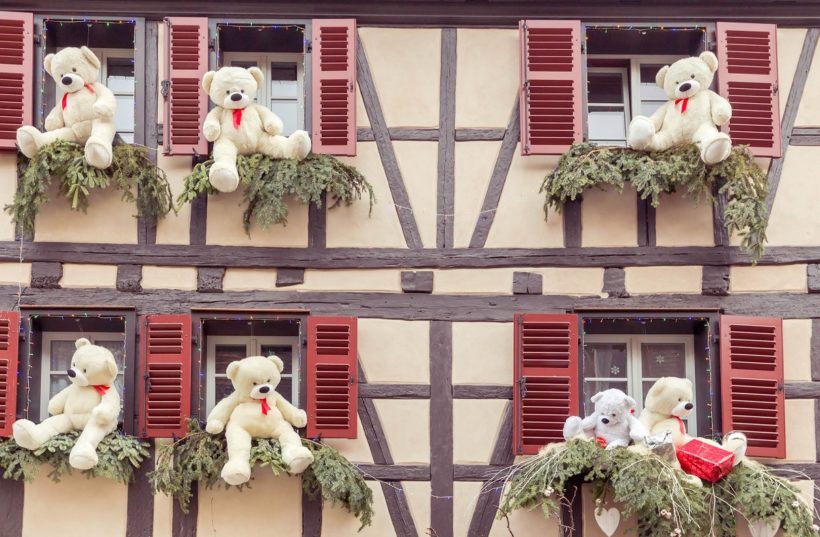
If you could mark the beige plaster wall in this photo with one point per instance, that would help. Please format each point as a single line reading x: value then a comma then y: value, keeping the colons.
x: 395, y: 351
x: 789, y: 46
x: 797, y: 335
x: 418, y: 499
x: 482, y: 353
x: 683, y: 221
x: 808, y: 115
x: 15, y: 273
x: 376, y: 280
x: 572, y: 281
x: 800, y: 424
x: 762, y: 279
x: 523, y: 523
x: 356, y: 450
x: 272, y: 502
x: 609, y: 218
x: 405, y: 64
x: 356, y: 226
x: 241, y: 279
x: 336, y: 522
x: 476, y: 423
x: 52, y: 508
x: 75, y: 275
x: 658, y: 280
x: 154, y: 277
x: 175, y: 227
x: 362, y: 120
x: 474, y: 162
x: 225, y: 225
x: 8, y: 186
x: 406, y: 425
x: 487, y: 76
x: 418, y: 162
x: 795, y: 220
x: 496, y: 281
x: 519, y: 221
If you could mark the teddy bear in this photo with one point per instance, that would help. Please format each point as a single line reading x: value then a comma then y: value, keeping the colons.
x: 612, y: 424
x: 692, y: 114
x: 90, y: 404
x: 85, y: 113
x: 256, y: 410
x: 668, y: 403
x: 238, y: 126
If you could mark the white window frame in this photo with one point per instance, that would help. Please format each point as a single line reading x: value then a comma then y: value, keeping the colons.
x: 46, y: 373
x: 264, y: 60
x: 253, y: 347
x: 634, y: 374
x: 625, y: 100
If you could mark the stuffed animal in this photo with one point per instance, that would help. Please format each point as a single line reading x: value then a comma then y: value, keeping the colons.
x: 238, y: 126
x: 90, y: 404
x: 692, y: 113
x: 612, y: 424
x: 256, y: 410
x: 668, y: 403
x: 85, y: 113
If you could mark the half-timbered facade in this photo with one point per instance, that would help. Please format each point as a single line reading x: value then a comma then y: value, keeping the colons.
x: 452, y: 329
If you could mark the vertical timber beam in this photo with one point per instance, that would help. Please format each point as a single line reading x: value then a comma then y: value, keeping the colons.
x: 445, y: 218
x: 11, y: 507
x: 441, y: 428
x: 140, y: 521
x: 146, y: 68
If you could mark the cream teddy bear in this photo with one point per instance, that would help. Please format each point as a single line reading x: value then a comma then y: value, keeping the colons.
x: 612, y: 423
x: 692, y: 113
x: 85, y: 113
x: 668, y: 403
x: 256, y: 410
x: 238, y: 126
x: 90, y: 404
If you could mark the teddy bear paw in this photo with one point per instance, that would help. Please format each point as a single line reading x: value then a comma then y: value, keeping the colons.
x: 297, y: 458
x: 736, y: 442
x: 25, y: 434
x: 211, y: 130
x: 717, y: 149
x: 274, y: 126
x: 641, y: 130
x: 83, y: 456
x: 214, y: 426
x: 102, y: 110
x: 28, y: 140
x: 223, y: 178
x: 98, y: 153
x: 236, y: 472
x: 299, y: 145
x: 299, y: 419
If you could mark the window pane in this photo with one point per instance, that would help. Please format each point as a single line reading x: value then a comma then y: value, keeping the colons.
x: 61, y: 353
x: 58, y: 383
x: 285, y: 388
x: 591, y: 387
x: 283, y: 78
x: 607, y: 124
x: 285, y: 352
x: 124, y: 116
x: 650, y: 107
x: 222, y: 388
x: 605, y: 88
x: 244, y: 63
x: 649, y: 90
x: 225, y: 354
x: 663, y: 360
x: 288, y: 112
x: 117, y: 348
x: 605, y: 360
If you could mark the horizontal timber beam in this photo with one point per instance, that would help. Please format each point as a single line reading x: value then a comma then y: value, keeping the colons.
x: 394, y: 391
x: 395, y: 472
x: 404, y: 258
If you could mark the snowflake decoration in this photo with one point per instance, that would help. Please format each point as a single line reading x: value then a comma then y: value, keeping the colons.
x: 660, y: 359
x: 615, y: 369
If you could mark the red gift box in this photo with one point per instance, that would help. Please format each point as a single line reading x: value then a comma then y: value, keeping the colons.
x: 706, y: 461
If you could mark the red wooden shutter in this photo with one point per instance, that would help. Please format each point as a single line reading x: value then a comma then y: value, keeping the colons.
x: 186, y: 104
x: 546, y: 376
x: 551, y: 103
x: 332, y: 365
x: 333, y: 71
x: 165, y: 387
x: 9, y: 343
x: 16, y: 68
x: 751, y: 382
x: 747, y: 77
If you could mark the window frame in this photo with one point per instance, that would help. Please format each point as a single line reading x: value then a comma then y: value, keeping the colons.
x: 626, y: 91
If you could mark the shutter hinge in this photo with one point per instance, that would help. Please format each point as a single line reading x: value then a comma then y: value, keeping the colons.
x: 160, y: 129
x: 212, y: 44
x: 583, y: 48
x: 350, y: 86
x: 308, y: 46
x: 350, y: 380
x: 165, y: 88
x: 147, y: 382
x: 781, y: 387
x: 775, y: 88
x: 522, y: 387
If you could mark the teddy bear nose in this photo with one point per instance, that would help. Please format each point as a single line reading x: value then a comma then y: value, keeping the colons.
x: 67, y: 80
x: 685, y: 86
x: 604, y: 420
x: 72, y: 373
x: 236, y: 97
x: 264, y: 389
x: 688, y: 406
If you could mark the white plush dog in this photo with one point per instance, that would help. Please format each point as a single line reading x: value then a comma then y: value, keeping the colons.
x: 612, y: 424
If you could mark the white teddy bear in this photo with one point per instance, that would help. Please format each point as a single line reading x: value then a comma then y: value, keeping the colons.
x: 90, y: 404
x: 256, y: 410
x: 692, y: 113
x: 612, y: 423
x: 238, y: 126
x: 85, y: 113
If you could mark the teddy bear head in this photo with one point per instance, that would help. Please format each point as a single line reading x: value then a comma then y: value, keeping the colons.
x: 670, y: 396
x: 612, y: 406
x: 72, y: 68
x: 233, y: 87
x: 687, y: 76
x: 255, y: 377
x: 92, y: 365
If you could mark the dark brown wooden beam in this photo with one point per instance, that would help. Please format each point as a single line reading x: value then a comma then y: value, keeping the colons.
x: 395, y: 472
x: 805, y: 136
x: 129, y: 278
x: 46, y: 275
x: 646, y: 222
x: 394, y: 391
x: 573, y: 225
x: 480, y: 391
x: 209, y: 279
x: 198, y: 225
x: 715, y: 280
x: 445, y: 205
x: 317, y: 224
x: 12, y: 495
x: 420, y: 281
x: 285, y: 277
x: 311, y: 515
x: 185, y: 524
x: 441, y: 428
x: 813, y: 277
x: 480, y: 135
x: 815, y: 350
x: 527, y: 283
x: 400, y: 134
x: 803, y: 390
x: 140, y: 518
x: 615, y: 282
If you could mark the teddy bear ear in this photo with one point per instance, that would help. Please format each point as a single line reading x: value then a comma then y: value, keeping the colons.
x: 232, y: 369
x: 661, y: 76
x: 206, y: 81
x: 630, y: 403
x: 47, y: 62
x: 257, y: 75
x: 82, y: 342
x: 596, y: 397
x: 90, y: 57
x: 280, y: 365
x: 112, y: 366
x: 710, y: 60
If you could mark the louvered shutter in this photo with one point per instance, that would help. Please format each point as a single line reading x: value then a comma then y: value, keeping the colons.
x: 333, y: 71
x: 747, y: 77
x: 165, y: 368
x: 332, y: 365
x: 546, y: 376
x: 9, y: 344
x: 551, y: 103
x: 751, y: 382
x: 16, y: 68
x: 186, y: 104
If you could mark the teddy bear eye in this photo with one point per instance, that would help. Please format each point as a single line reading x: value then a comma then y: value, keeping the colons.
x: 242, y: 91
x: 227, y: 92
x: 268, y: 381
x: 254, y: 384
x: 692, y: 77
x: 73, y: 69
x: 85, y: 370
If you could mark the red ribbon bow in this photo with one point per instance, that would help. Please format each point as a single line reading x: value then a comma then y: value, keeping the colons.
x: 265, y: 406
x: 101, y: 388
x: 65, y: 95
x: 237, y: 119
x: 601, y: 441
x: 682, y: 426
x: 685, y: 101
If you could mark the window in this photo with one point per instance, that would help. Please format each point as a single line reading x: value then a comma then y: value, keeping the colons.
x: 608, y: 105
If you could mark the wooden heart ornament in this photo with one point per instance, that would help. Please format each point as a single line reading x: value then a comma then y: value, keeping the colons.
x: 764, y: 527
x: 608, y: 520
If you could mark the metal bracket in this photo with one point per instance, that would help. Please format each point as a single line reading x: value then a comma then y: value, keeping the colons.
x: 522, y: 387
x: 165, y: 88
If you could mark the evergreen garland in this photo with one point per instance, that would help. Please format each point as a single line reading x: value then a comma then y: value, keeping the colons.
x: 266, y: 182
x: 119, y: 455
x: 663, y: 499
x: 199, y: 457
x: 745, y: 184
x: 131, y: 172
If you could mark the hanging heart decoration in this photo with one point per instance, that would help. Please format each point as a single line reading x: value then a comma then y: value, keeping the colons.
x: 764, y: 527
x: 608, y: 520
